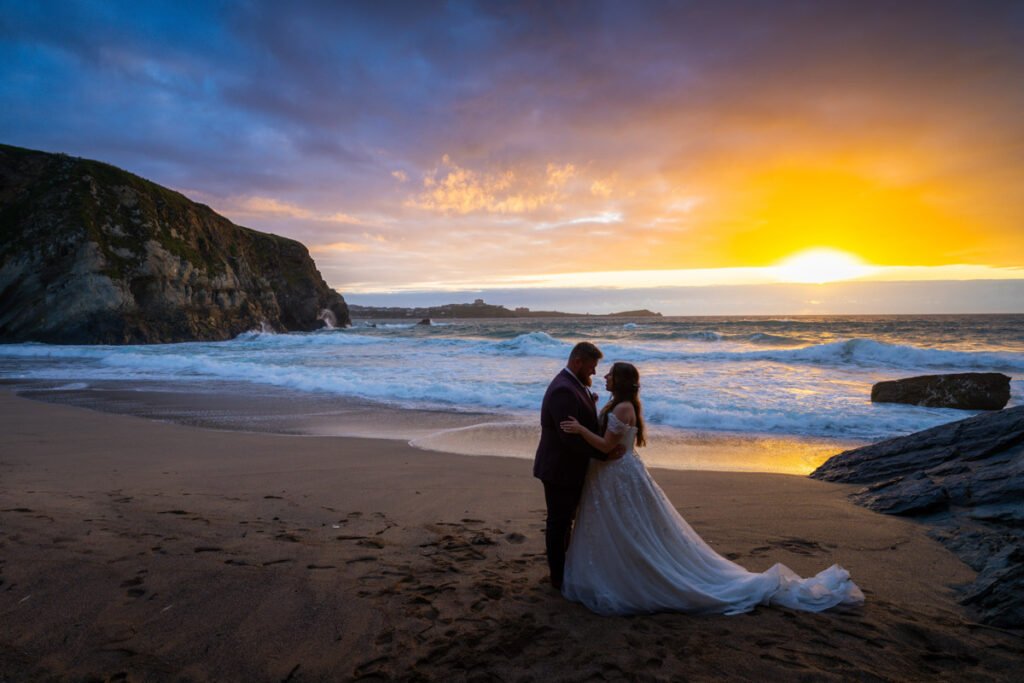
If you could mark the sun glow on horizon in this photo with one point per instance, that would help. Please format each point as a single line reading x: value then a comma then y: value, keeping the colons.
x: 821, y: 265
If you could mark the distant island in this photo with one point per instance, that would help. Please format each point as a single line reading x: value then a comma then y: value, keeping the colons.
x: 480, y: 309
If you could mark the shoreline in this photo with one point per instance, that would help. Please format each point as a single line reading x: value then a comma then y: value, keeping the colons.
x: 157, y: 551
x: 236, y: 406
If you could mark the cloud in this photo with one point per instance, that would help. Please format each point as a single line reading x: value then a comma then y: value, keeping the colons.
x: 558, y: 176
x: 708, y: 129
x: 452, y: 189
x: 268, y: 206
x: 258, y: 207
x: 601, y: 188
x: 336, y: 247
x: 603, y: 218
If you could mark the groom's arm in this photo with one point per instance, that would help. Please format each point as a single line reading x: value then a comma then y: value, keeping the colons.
x: 561, y: 405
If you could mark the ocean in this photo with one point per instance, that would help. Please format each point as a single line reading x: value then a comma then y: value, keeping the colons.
x: 736, y: 393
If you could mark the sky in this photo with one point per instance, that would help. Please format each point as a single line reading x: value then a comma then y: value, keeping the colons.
x: 585, y: 154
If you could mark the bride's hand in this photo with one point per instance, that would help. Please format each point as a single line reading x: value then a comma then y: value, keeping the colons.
x: 571, y: 426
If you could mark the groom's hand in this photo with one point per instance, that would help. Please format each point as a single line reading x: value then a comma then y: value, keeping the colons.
x: 617, y: 452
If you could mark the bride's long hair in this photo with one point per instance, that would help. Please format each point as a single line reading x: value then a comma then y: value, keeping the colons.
x: 625, y: 387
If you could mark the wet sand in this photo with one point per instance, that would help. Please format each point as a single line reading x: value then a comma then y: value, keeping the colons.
x: 241, y: 406
x: 139, y: 550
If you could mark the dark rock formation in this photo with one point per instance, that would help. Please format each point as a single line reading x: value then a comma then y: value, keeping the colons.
x: 425, y: 321
x: 967, y: 479
x: 966, y: 390
x: 92, y: 254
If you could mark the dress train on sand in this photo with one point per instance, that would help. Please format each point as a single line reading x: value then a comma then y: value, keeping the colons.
x: 633, y: 553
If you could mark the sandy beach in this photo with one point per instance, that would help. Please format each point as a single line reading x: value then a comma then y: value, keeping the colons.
x: 139, y: 550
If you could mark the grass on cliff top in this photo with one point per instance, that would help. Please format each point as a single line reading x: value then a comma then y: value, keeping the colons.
x: 54, y: 195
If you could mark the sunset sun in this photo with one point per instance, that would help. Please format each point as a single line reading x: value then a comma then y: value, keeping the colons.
x: 820, y: 265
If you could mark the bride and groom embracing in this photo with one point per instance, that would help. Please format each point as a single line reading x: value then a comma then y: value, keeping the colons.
x: 631, y: 552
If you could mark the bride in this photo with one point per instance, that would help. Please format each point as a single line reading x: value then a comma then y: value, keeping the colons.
x: 633, y: 553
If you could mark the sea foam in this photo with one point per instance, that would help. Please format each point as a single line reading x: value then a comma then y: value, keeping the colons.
x: 732, y: 375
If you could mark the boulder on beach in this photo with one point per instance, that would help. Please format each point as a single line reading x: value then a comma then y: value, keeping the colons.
x: 91, y: 254
x: 965, y: 390
x: 965, y: 478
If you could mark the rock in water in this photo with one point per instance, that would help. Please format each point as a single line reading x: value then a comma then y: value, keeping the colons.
x: 967, y: 479
x: 965, y: 390
x: 91, y: 254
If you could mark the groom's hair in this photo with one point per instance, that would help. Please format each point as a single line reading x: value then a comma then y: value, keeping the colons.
x: 586, y: 350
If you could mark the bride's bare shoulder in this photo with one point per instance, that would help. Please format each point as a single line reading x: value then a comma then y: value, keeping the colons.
x: 625, y: 412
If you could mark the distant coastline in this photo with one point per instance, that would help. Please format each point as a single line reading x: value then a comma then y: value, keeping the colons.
x: 480, y: 309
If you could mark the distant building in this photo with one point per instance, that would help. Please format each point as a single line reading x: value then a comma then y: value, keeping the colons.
x: 522, y: 309
x: 478, y: 302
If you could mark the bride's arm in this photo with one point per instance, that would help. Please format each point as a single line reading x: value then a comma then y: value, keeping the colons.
x: 611, y: 439
x: 602, y: 443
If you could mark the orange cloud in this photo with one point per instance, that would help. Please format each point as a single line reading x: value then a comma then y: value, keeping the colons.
x: 251, y: 207
x: 558, y: 176
x: 452, y: 189
x: 336, y: 247
x: 601, y: 188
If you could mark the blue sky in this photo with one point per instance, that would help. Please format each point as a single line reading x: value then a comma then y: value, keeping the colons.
x: 463, y: 147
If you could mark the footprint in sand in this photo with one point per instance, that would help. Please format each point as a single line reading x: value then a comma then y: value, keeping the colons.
x: 134, y: 586
x: 371, y: 669
x: 800, y: 546
x: 482, y: 539
x: 491, y: 590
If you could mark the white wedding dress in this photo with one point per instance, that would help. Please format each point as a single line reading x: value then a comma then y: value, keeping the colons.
x: 633, y: 553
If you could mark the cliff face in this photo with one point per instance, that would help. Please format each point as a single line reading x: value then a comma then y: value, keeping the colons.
x: 93, y: 254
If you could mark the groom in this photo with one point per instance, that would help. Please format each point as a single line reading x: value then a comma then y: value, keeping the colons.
x: 562, y: 459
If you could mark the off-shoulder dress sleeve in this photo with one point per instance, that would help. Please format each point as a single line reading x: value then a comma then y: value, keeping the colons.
x: 615, y: 425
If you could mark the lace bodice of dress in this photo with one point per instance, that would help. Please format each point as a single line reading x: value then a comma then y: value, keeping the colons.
x: 617, y: 426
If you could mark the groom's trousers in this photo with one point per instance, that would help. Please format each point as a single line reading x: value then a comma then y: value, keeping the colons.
x: 562, y: 502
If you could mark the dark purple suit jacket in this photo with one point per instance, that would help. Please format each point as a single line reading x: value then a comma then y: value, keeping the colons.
x: 562, y: 458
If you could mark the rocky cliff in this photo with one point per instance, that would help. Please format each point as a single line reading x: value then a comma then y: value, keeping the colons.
x: 93, y: 254
x: 966, y: 479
